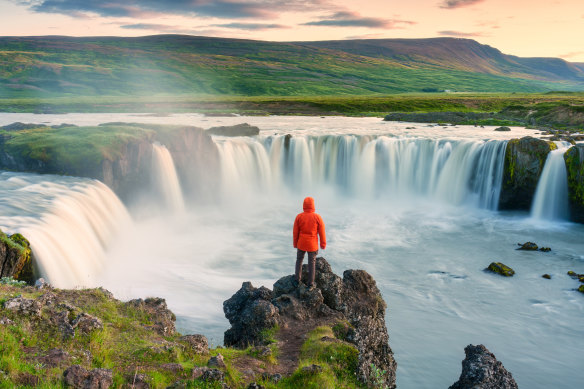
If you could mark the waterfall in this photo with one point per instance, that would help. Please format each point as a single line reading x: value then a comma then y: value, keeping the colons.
x: 551, y: 196
x: 69, y: 241
x: 165, y: 179
x: 453, y: 171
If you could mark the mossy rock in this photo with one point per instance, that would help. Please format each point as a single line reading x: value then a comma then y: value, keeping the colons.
x: 574, y: 158
x: 500, y: 268
x: 16, y: 257
x: 547, y: 276
x: 581, y: 289
x: 524, y: 162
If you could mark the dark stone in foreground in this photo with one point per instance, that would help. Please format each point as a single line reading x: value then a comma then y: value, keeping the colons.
x: 502, y: 128
x: 502, y: 269
x: 354, y: 299
x: 547, y: 276
x: 197, y: 342
x: 481, y: 370
x: 79, y: 378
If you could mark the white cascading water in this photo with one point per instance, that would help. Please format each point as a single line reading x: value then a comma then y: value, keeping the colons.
x: 551, y: 196
x: 165, y: 178
x: 453, y: 171
x: 69, y: 241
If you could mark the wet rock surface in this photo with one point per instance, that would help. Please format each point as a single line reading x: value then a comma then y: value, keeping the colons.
x: 574, y: 158
x: 500, y: 268
x: 524, y: 162
x: 480, y: 369
x: 353, y: 299
x: 15, y: 257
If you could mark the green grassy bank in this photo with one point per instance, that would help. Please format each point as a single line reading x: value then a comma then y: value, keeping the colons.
x: 375, y: 105
x: 35, y: 350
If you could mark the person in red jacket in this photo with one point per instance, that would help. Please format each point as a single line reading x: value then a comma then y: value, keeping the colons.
x: 308, y: 227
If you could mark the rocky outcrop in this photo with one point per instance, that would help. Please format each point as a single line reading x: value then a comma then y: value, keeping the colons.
x: 480, y: 369
x: 15, y: 257
x: 354, y: 300
x: 574, y: 158
x: 524, y: 161
x: 243, y: 129
x: 122, y: 161
x: 163, y: 317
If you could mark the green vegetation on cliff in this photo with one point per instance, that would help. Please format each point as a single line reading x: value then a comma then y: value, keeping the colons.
x: 71, y: 149
x: 43, y: 332
x: 15, y: 257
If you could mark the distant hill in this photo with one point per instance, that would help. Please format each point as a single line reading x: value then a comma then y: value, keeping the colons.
x: 178, y: 64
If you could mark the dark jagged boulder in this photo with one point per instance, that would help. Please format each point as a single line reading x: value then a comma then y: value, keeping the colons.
x: 480, y: 369
x: 242, y: 129
x: 500, y: 268
x: 574, y: 158
x: 15, y: 257
x: 524, y: 161
x: 354, y: 300
x: 250, y: 313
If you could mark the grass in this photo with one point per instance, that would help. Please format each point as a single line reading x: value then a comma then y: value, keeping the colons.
x: 71, y: 67
x: 360, y: 105
x: 128, y: 345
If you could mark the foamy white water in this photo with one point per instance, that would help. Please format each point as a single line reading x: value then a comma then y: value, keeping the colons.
x: 402, y: 204
x: 69, y: 222
x: 165, y: 180
x: 367, y: 167
x: 551, y: 197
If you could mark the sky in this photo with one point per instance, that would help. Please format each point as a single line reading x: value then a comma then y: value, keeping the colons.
x: 526, y: 28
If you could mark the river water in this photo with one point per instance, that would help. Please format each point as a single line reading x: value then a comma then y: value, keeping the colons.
x: 410, y: 203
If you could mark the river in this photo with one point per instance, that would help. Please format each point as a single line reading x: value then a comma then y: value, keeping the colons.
x: 412, y: 204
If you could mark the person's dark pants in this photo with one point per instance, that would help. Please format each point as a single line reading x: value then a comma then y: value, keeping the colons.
x: 311, y: 265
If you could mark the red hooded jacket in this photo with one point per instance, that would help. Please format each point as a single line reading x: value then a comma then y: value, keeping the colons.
x: 307, y: 226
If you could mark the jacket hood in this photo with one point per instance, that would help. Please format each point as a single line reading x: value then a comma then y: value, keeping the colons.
x: 308, y: 205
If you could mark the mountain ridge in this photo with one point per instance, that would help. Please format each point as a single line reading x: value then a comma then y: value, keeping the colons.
x: 182, y: 64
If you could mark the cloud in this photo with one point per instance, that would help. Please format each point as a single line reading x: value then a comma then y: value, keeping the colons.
x: 148, y: 26
x: 459, y: 34
x: 453, y: 4
x: 233, y: 9
x: 572, y: 54
x: 250, y: 26
x: 353, y: 19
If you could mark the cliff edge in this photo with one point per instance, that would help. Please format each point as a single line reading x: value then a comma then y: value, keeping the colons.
x: 352, y: 306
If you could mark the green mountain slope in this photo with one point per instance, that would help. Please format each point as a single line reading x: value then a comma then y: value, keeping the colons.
x: 175, y: 64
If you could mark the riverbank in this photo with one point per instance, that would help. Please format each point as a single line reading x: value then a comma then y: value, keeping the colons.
x: 372, y: 105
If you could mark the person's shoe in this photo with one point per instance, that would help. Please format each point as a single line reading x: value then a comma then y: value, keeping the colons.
x: 311, y: 287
